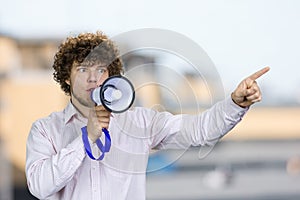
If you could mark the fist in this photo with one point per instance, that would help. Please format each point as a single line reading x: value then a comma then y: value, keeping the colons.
x: 99, y: 118
x: 248, y: 92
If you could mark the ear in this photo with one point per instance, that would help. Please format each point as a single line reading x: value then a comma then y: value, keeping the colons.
x: 67, y: 81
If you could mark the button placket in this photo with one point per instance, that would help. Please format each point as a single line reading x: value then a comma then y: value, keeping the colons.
x: 95, y: 176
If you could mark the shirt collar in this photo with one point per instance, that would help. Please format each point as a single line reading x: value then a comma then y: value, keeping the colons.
x: 70, y: 112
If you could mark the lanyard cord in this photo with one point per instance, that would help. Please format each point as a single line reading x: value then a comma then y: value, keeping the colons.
x: 103, y: 148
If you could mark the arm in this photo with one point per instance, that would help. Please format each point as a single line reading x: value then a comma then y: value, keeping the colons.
x: 208, y: 127
x: 48, y: 170
x: 183, y: 131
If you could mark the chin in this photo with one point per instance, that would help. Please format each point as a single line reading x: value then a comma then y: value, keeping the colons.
x: 91, y: 104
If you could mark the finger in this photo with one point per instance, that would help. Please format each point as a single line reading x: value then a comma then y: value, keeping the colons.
x: 104, y: 119
x: 249, y: 92
x: 252, y: 90
x: 241, y: 90
x: 254, y: 98
x: 249, y: 82
x: 100, y: 108
x: 103, y: 114
x: 259, y: 73
x: 104, y: 124
x: 255, y: 94
x: 101, y: 111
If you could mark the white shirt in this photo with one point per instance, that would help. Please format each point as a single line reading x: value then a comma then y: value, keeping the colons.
x: 57, y: 166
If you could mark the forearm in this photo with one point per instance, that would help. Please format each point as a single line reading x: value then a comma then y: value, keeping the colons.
x: 217, y: 121
x: 183, y: 131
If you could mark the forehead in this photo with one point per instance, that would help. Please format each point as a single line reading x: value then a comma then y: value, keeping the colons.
x: 90, y: 64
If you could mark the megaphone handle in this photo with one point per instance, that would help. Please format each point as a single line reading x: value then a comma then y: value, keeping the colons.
x: 103, y: 148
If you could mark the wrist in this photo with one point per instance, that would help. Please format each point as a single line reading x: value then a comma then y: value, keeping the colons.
x: 92, y: 139
x: 235, y: 100
x: 92, y: 135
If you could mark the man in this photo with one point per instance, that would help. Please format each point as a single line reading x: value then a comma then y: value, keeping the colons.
x: 57, y: 164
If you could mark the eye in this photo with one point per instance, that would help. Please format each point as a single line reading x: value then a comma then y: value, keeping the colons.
x: 102, y: 70
x: 81, y: 69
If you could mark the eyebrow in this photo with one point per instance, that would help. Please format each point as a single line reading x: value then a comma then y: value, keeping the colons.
x: 100, y: 66
x: 96, y: 66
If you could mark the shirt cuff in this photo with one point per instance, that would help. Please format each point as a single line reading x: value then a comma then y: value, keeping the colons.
x: 234, y: 110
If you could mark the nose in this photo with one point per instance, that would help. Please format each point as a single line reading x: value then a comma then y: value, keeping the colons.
x: 93, y: 76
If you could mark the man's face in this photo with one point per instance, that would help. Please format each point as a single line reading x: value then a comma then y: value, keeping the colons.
x: 83, y: 80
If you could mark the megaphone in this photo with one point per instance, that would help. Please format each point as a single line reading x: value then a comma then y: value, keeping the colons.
x: 116, y: 94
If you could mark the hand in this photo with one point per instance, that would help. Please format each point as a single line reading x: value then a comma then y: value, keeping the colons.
x: 248, y: 92
x: 99, y: 118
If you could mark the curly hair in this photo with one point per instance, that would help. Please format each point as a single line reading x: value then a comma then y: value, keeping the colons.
x: 85, y: 49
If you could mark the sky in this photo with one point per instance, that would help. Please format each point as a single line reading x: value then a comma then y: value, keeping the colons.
x: 240, y: 36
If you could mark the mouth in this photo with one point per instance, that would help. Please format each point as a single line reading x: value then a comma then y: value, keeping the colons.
x: 90, y: 90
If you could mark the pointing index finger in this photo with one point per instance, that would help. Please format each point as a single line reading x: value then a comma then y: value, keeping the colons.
x: 259, y: 73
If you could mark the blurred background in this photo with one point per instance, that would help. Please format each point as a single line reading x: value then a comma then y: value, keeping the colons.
x: 259, y: 159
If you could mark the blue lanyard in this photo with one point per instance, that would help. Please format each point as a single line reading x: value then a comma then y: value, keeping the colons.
x: 103, y: 148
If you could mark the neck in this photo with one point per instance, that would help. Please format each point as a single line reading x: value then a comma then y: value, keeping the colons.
x: 83, y: 110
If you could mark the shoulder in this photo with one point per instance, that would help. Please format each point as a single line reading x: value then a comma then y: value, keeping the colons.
x: 52, y: 120
x: 140, y: 112
x: 143, y: 115
x: 54, y: 116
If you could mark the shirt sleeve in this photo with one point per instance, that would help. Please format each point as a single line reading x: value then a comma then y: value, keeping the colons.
x: 48, y: 171
x: 182, y: 131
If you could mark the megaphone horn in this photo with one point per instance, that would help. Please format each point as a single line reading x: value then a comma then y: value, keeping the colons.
x: 116, y: 94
